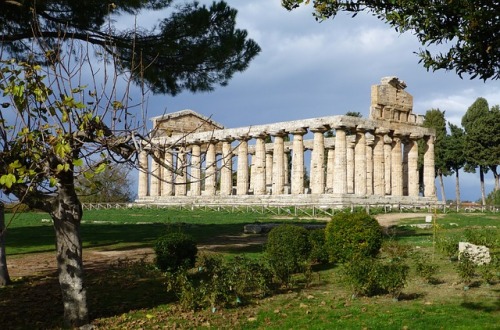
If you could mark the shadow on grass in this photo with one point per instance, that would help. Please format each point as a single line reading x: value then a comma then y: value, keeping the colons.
x: 35, y: 302
x: 482, y: 306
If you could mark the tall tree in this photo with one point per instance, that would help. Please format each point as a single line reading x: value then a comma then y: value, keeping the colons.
x: 494, y: 143
x: 478, y: 139
x: 112, y: 185
x: 435, y: 119
x: 52, y: 122
x: 469, y: 29
x: 455, y: 157
x: 195, y: 48
x: 4, y: 271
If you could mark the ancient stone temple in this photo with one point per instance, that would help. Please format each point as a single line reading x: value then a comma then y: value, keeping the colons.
x: 328, y: 161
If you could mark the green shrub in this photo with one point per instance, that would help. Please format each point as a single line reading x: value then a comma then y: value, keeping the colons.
x: 318, y: 251
x: 489, y: 237
x: 361, y: 275
x: 427, y: 270
x: 447, y: 245
x: 175, y: 250
x: 287, y: 250
x: 466, y: 269
x: 220, y: 282
x: 349, y: 235
x: 369, y: 276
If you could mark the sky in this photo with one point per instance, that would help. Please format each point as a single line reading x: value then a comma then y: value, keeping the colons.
x: 310, y: 69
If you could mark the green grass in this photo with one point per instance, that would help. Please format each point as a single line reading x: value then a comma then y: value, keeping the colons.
x: 128, y: 295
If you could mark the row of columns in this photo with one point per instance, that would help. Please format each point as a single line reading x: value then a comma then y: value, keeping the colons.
x: 384, y: 164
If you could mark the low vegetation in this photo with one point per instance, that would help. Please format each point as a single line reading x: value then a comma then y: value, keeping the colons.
x: 413, y: 279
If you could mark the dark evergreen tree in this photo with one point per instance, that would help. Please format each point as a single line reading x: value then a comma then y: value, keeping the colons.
x: 455, y: 156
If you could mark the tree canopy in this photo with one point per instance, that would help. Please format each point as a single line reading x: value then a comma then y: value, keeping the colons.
x: 469, y: 29
x: 194, y: 48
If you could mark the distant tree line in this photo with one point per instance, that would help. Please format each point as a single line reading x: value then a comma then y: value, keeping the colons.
x: 475, y: 146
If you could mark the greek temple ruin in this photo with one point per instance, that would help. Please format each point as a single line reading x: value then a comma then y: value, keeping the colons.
x: 332, y: 161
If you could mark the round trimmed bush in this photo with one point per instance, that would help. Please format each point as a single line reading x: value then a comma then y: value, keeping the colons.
x: 175, y: 250
x: 288, y: 250
x: 350, y: 235
x: 317, y: 241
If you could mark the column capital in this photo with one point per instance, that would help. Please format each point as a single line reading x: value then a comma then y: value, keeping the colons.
x: 415, y: 136
x: 280, y: 133
x: 319, y: 129
x: 382, y: 130
x: 299, y: 131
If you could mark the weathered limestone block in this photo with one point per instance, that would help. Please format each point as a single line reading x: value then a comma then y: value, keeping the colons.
x: 478, y: 254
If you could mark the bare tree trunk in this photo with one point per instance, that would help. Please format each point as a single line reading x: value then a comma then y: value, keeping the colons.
x: 4, y: 272
x: 441, y: 184
x: 67, y: 214
x: 457, y: 189
x: 483, y: 193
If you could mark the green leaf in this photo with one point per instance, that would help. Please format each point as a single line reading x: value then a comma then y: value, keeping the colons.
x: 78, y: 162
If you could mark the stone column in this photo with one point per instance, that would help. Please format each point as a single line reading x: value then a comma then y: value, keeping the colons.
x: 379, y: 163
x: 195, y: 170
x: 397, y: 167
x: 211, y: 170
x: 226, y: 172
x: 406, y: 149
x: 388, y: 164
x: 180, y: 173
x: 351, y: 141
x: 413, y: 179
x: 360, y: 163
x: 278, y: 163
x: 259, y: 166
x: 142, y: 190
x: 168, y: 174
x: 269, y: 168
x: 298, y: 162
x: 429, y: 168
x: 340, y: 172
x: 155, y: 177
x: 242, y: 174
x: 318, y: 161
x: 370, y: 140
x: 286, y: 170
x: 330, y: 165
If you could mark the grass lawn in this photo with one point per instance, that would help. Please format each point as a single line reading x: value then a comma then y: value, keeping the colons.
x: 132, y: 295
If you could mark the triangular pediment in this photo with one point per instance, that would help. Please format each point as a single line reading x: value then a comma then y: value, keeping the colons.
x: 183, y: 122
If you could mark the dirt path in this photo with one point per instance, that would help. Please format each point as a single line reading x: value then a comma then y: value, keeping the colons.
x: 45, y: 263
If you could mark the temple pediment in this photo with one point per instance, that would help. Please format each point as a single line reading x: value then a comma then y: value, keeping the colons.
x: 183, y: 122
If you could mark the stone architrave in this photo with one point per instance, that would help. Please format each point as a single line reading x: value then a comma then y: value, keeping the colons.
x: 226, y: 172
x: 181, y: 173
x: 388, y: 164
x: 168, y: 175
x: 259, y: 166
x: 379, y: 165
x: 397, y: 167
x: 370, y: 140
x: 298, y: 161
x: 242, y: 176
x: 195, y: 184
x: 155, y: 176
x: 340, y: 172
x: 278, y: 164
x: 330, y: 166
x: 413, y: 186
x: 429, y: 169
x: 211, y: 170
x: 143, y: 174
x: 318, y: 161
x: 360, y: 162
x: 351, y: 141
